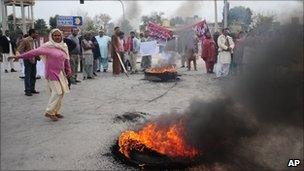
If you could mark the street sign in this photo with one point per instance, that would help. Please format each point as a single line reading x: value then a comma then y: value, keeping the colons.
x: 69, y: 21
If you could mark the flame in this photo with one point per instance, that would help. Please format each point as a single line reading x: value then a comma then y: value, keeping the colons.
x: 164, y: 69
x: 167, y: 141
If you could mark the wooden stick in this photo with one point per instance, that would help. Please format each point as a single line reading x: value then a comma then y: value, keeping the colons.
x: 122, y: 64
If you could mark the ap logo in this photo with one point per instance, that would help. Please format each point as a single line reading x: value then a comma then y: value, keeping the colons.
x: 293, y: 163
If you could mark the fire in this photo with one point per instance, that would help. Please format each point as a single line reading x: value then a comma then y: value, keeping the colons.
x: 167, y: 141
x: 164, y: 69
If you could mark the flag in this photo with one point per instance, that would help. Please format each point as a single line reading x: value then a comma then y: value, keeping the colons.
x: 200, y: 28
x: 158, y: 32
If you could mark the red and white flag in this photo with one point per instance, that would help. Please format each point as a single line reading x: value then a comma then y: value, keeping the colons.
x: 200, y: 28
x: 158, y: 32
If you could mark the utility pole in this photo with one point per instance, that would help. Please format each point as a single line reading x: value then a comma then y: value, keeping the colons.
x: 215, y: 16
x: 123, y: 10
x: 225, y: 14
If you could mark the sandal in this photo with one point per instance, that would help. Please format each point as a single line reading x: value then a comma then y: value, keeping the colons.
x: 52, y: 117
x: 59, y: 115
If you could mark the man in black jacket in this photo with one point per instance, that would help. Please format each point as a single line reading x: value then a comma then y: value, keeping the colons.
x: 71, y: 45
x: 96, y: 55
x: 8, y: 49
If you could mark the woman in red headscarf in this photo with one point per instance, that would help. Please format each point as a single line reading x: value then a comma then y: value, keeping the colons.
x: 208, y: 52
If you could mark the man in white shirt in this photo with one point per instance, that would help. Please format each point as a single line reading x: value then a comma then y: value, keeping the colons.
x: 103, y: 42
x: 226, y: 45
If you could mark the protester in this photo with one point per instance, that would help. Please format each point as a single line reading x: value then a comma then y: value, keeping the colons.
x: 80, y: 56
x: 8, y: 49
x: 21, y: 62
x: 75, y: 55
x: 141, y: 36
x: 215, y: 37
x: 146, y: 61
x: 226, y: 46
x: 87, y: 53
x: 114, y: 50
x: 133, y: 46
x: 181, y: 48
x: 56, y: 57
x: 30, y: 69
x: 208, y: 52
x: 183, y: 60
x: 192, y: 50
x: 96, y: 55
x: 71, y: 45
x: 122, y: 45
x: 1, y: 56
x: 104, y: 45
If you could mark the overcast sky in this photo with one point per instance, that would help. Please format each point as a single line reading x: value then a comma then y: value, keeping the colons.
x: 47, y: 8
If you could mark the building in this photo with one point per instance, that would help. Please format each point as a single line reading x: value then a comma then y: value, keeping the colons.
x: 24, y: 5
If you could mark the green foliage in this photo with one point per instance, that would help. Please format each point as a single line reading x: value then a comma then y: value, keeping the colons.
x: 88, y: 25
x: 102, y: 20
x: 40, y: 26
x: 53, y: 21
x: 240, y: 15
x: 14, y: 34
x: 10, y: 22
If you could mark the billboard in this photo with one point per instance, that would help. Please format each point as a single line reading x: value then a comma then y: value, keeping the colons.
x: 69, y: 21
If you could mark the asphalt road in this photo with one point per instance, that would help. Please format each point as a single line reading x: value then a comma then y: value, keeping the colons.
x: 82, y: 139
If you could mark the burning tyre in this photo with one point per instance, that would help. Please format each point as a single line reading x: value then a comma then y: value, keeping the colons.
x: 161, y: 74
x: 156, y: 146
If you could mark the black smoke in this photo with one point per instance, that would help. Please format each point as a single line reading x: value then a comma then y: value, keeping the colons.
x: 271, y: 80
x: 262, y: 97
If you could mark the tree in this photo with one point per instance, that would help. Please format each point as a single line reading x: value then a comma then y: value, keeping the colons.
x: 40, y: 26
x: 88, y: 25
x: 103, y: 20
x: 263, y: 23
x: 10, y: 22
x: 53, y: 21
x: 14, y: 33
x: 155, y: 17
x: 240, y: 15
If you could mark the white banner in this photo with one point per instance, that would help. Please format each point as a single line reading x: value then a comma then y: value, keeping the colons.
x: 148, y: 48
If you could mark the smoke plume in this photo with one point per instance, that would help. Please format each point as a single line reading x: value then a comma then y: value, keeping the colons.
x: 188, y: 8
x: 260, y: 101
x: 133, y: 13
x: 271, y: 82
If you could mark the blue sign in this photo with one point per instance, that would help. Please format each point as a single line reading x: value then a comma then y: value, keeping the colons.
x: 69, y: 21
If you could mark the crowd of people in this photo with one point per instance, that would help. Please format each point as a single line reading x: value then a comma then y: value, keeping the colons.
x: 64, y: 56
